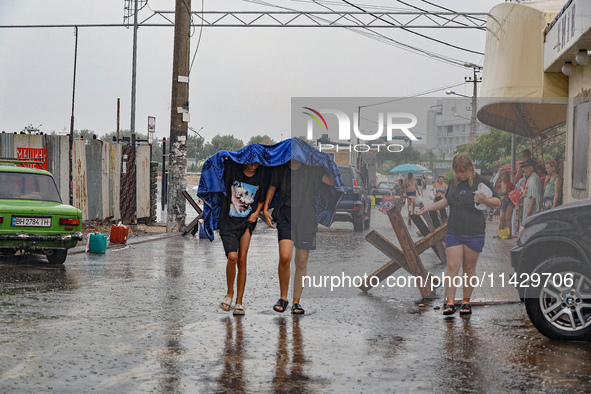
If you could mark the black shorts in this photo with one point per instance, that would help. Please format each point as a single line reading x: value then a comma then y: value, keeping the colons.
x: 299, y: 225
x: 231, y: 239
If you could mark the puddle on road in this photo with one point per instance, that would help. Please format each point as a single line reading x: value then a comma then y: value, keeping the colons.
x: 147, y: 319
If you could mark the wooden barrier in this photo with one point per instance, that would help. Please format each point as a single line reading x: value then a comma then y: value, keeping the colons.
x: 407, y: 258
x: 193, y: 227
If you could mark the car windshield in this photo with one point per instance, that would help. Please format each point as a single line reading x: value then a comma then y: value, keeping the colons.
x: 28, y: 186
x: 384, y: 185
x: 346, y: 175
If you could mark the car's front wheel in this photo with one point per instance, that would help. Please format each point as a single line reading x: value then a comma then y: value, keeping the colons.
x: 560, y: 305
x: 58, y: 256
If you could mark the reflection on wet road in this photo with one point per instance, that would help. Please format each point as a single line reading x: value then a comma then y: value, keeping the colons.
x: 146, y: 319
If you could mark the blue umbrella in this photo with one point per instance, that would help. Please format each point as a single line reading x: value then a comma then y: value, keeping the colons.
x: 406, y: 168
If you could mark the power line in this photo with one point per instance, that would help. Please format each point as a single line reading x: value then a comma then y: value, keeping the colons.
x: 418, y: 34
x: 398, y: 44
x: 447, y: 9
x: 414, y: 95
x: 379, y: 37
x: 199, y: 40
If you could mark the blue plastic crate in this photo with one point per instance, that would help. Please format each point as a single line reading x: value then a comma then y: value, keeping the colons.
x: 97, y: 243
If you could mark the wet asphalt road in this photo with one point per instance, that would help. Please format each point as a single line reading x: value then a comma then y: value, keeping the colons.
x: 146, y: 319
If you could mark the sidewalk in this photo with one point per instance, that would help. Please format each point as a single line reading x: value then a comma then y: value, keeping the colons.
x: 495, y: 259
x: 131, y: 241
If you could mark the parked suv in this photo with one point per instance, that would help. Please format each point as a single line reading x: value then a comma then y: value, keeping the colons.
x: 355, y: 206
x: 552, y: 263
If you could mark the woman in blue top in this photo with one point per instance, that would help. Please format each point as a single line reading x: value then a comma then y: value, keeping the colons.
x: 465, y: 228
x: 440, y: 188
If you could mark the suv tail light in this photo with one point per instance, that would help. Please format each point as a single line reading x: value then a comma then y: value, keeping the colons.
x: 355, y: 183
x: 1, y: 219
x: 69, y: 221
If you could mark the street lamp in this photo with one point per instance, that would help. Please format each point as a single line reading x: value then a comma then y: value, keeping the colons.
x: 460, y: 116
x: 448, y: 92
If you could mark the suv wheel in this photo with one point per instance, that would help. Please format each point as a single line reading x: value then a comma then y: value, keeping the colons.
x: 359, y: 223
x: 58, y: 256
x: 559, y: 308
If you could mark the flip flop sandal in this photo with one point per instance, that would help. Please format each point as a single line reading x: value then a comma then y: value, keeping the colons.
x: 281, y: 303
x: 300, y: 310
x: 465, y: 309
x: 238, y: 310
x: 449, y: 309
x: 227, y: 302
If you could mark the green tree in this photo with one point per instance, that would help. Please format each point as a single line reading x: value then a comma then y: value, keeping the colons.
x: 223, y: 142
x: 305, y: 139
x: 493, y: 149
x: 261, y: 139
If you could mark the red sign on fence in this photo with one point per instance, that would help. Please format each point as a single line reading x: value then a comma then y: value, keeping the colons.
x: 34, y: 153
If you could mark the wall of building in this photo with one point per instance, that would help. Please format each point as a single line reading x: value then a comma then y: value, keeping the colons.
x: 96, y: 172
x: 579, y: 92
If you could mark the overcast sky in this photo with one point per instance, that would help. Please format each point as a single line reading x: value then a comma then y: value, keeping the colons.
x: 242, y: 81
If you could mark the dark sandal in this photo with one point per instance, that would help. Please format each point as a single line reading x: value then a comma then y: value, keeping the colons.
x: 449, y: 309
x: 282, y: 303
x: 465, y: 309
x: 297, y: 306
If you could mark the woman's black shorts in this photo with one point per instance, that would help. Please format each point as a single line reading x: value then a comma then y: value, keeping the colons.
x: 299, y: 225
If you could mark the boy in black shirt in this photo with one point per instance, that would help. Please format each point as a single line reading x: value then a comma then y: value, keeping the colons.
x: 296, y: 223
x: 238, y: 218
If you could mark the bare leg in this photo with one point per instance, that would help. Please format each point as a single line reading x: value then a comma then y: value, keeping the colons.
x: 455, y: 255
x: 231, y: 273
x: 284, y: 268
x: 301, y: 263
x: 502, y: 219
x: 508, y: 217
x: 242, y: 253
x: 469, y: 268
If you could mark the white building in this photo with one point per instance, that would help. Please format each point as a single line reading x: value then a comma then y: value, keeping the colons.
x: 448, y: 125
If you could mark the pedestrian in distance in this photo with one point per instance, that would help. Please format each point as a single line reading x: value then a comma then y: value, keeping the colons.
x: 440, y: 188
x: 412, y: 191
x: 552, y: 186
x: 240, y: 208
x: 533, y: 190
x: 504, y: 188
x: 296, y: 224
x: 466, y: 228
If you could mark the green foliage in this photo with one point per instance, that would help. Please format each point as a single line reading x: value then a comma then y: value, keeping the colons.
x: 448, y: 176
x: 193, y: 168
x: 407, y: 155
x: 223, y: 142
x: 261, y: 139
x: 305, y: 139
x: 493, y: 149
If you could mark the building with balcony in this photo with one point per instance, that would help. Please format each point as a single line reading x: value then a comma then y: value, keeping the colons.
x: 448, y: 125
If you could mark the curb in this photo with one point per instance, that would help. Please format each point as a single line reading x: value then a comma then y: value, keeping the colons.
x: 133, y: 241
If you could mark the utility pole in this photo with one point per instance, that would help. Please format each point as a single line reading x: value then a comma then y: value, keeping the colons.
x: 475, y: 79
x: 133, y: 72
x: 179, y: 118
x: 71, y: 137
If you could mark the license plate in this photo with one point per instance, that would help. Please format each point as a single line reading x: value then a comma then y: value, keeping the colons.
x: 31, y: 222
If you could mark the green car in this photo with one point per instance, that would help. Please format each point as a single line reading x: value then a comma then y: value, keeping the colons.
x: 32, y: 216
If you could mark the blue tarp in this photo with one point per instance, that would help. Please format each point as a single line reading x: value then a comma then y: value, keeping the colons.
x: 212, y: 188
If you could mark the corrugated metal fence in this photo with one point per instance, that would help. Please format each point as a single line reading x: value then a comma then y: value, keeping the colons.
x: 96, y: 173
